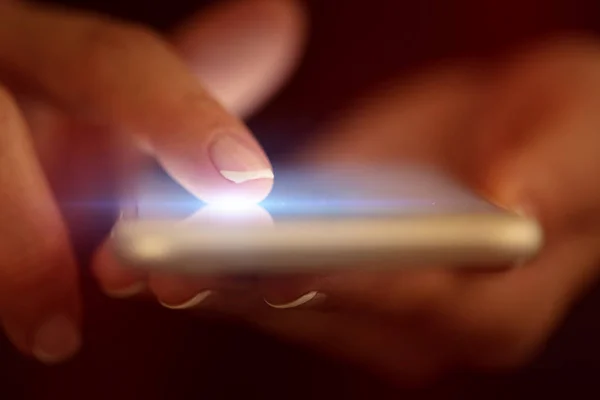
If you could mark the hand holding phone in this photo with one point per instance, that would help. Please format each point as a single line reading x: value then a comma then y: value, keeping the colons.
x: 343, y: 218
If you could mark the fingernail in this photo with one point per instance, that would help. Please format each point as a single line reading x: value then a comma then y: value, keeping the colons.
x: 304, y: 300
x: 238, y: 162
x: 127, y: 291
x: 193, y: 302
x: 56, y: 340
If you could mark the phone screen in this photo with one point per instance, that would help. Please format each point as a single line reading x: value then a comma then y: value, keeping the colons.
x: 335, y: 193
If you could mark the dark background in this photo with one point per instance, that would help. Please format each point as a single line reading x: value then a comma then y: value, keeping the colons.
x: 140, y: 351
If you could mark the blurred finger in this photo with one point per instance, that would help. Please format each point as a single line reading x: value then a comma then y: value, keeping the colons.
x: 39, y: 299
x: 541, y: 116
x: 128, y: 78
x: 172, y: 289
x: 394, y: 293
x: 243, y: 51
x: 180, y: 292
x: 116, y: 280
x: 508, y: 151
x: 411, y: 122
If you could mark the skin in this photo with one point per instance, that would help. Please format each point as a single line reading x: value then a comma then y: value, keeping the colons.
x: 79, y: 92
x: 500, y: 128
x: 522, y: 130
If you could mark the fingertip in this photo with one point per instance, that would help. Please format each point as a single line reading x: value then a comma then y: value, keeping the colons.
x: 290, y: 292
x: 257, y: 190
x: 116, y: 280
x: 41, y: 305
x: 52, y: 341
x: 45, y: 323
x: 251, y: 192
x: 229, y: 166
x: 178, y: 293
x: 56, y: 340
x: 308, y: 299
x: 242, y: 162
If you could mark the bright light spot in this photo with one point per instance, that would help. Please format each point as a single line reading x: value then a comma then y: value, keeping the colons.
x: 232, y: 205
x: 227, y: 214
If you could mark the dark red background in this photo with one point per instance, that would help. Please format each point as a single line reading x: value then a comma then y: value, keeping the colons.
x: 140, y: 351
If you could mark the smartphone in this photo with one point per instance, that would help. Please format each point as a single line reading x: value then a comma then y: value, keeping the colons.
x: 323, y: 219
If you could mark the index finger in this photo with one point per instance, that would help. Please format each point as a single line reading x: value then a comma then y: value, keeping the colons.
x: 129, y: 78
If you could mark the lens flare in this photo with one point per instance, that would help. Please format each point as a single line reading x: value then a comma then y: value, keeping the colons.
x: 236, y: 215
x: 231, y: 205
